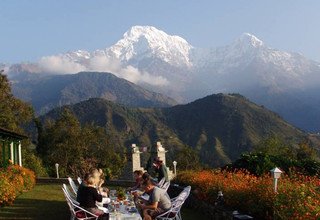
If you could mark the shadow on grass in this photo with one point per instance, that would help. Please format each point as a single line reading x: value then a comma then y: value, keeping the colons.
x: 35, y: 209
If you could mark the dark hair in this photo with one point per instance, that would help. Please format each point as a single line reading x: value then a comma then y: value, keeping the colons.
x: 146, y: 176
x: 88, y: 177
x: 138, y: 172
x: 147, y: 182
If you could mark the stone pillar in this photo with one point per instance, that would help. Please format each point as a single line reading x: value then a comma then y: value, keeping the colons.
x: 161, y: 152
x: 136, y: 162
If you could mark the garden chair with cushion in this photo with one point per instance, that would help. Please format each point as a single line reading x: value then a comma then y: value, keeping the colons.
x: 177, y: 202
x: 76, y: 211
x: 73, y: 185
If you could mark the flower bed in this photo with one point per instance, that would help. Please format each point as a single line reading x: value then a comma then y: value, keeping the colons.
x: 13, y: 181
x: 298, y: 197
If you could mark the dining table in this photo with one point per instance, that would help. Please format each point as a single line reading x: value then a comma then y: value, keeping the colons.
x: 123, y: 209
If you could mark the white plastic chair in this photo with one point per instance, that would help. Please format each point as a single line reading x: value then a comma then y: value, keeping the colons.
x: 71, y: 195
x: 184, y: 194
x: 161, y: 182
x: 174, y: 212
x: 76, y: 211
x: 79, y: 180
x: 73, y: 185
x: 165, y: 186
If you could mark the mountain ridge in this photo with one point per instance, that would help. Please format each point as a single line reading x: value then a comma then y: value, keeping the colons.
x: 69, y: 89
x: 169, y: 65
x: 219, y: 127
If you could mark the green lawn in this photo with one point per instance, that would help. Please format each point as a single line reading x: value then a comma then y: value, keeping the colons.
x: 46, y: 201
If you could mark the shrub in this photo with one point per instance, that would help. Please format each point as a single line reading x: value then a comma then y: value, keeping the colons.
x: 298, y: 196
x: 13, y: 181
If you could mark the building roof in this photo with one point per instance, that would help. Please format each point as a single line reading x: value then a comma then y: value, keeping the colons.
x: 7, y: 133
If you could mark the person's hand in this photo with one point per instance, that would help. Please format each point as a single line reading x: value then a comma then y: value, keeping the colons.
x: 142, y: 206
x: 104, y: 194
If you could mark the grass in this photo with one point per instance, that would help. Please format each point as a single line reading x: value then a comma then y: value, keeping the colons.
x: 46, y: 201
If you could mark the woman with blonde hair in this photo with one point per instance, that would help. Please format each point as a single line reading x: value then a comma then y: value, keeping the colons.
x: 88, y: 196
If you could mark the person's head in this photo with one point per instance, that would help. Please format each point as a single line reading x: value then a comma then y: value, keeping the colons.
x: 95, y: 174
x: 137, y: 174
x: 89, y: 179
x: 148, y: 186
x: 101, y: 173
x: 145, y: 176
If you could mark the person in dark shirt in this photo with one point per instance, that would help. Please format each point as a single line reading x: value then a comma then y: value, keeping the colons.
x: 88, y: 196
x: 160, y: 169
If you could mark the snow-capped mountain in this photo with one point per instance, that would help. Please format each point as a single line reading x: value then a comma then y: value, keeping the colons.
x: 142, y: 42
x: 170, y: 65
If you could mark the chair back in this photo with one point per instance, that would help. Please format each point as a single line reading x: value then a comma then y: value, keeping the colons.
x: 165, y: 186
x: 176, y: 204
x: 70, y: 194
x: 76, y: 211
x: 161, y: 182
x: 79, y: 180
x: 73, y: 185
x: 184, y: 194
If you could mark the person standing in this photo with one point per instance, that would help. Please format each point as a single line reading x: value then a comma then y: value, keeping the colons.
x: 160, y: 169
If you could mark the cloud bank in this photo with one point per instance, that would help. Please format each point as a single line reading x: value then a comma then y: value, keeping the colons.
x: 63, y: 64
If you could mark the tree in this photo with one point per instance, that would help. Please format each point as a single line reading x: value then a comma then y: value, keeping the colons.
x: 275, y: 146
x: 188, y: 159
x: 13, y: 112
x: 76, y: 148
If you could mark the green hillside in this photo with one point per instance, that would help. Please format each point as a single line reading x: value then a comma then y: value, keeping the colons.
x: 219, y: 127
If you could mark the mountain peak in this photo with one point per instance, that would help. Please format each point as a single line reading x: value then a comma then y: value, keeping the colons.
x: 141, y: 42
x: 250, y: 39
x: 137, y: 31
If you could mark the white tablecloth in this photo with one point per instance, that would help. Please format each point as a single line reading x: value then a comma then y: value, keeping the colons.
x: 121, y: 216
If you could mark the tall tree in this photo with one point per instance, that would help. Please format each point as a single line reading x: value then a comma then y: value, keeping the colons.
x: 77, y: 148
x: 13, y: 112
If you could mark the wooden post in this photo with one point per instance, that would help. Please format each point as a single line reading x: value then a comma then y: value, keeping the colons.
x: 19, y: 154
x: 11, y: 152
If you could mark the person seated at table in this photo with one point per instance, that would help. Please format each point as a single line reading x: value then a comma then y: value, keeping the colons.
x: 99, y: 175
x: 101, y: 181
x: 88, y: 196
x: 158, y: 203
x: 160, y: 169
x: 137, y: 174
x: 82, y: 184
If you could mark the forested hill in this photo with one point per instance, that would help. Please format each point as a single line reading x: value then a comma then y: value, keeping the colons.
x: 47, y: 92
x: 219, y: 127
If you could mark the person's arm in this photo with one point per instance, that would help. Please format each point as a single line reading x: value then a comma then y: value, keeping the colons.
x: 153, y: 201
x: 96, y: 195
x: 150, y: 206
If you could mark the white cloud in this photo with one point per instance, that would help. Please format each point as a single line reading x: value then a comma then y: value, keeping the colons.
x: 62, y: 64
x: 130, y: 73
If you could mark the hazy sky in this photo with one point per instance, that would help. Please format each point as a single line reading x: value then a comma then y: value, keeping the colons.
x: 31, y: 29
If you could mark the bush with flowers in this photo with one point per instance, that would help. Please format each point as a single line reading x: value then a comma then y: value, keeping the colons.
x: 298, y: 196
x: 13, y: 181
